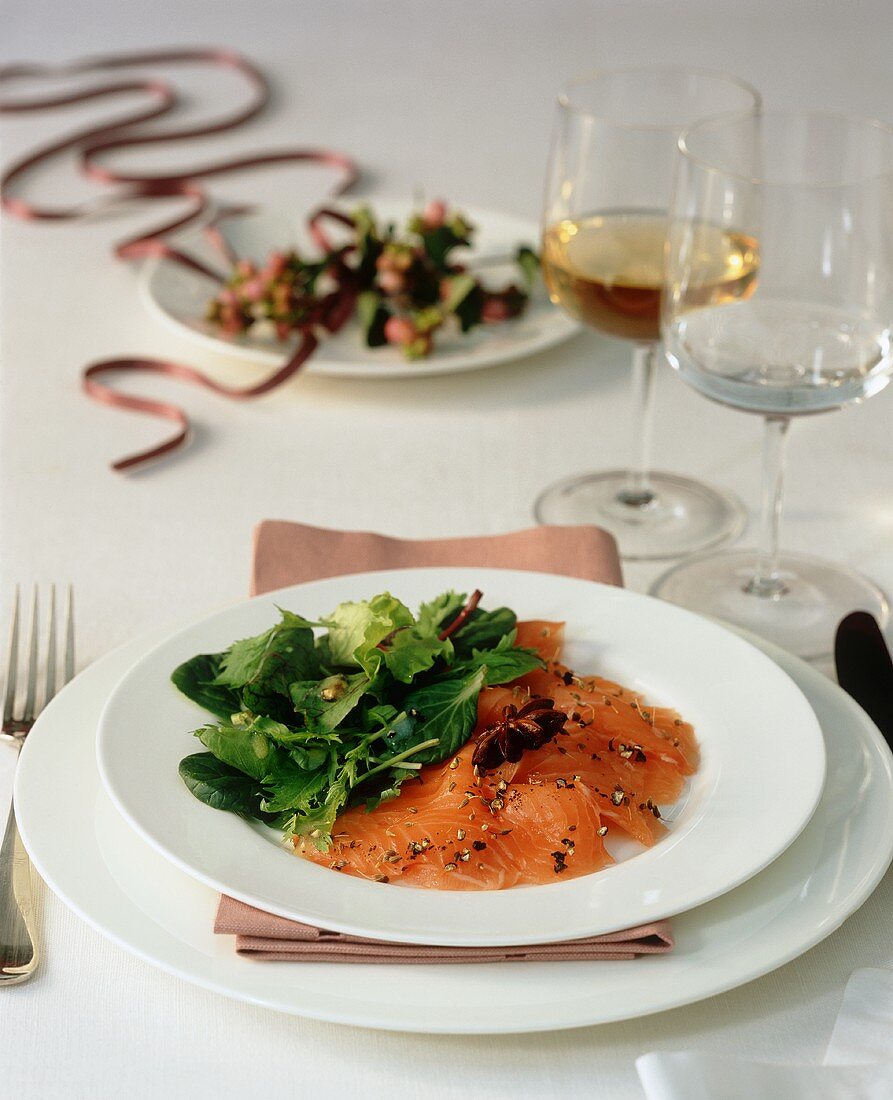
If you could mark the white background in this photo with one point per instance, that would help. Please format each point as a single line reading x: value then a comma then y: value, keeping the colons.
x: 455, y: 99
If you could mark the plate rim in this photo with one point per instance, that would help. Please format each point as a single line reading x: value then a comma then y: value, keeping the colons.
x: 563, y: 327
x: 464, y: 931
x: 710, y: 985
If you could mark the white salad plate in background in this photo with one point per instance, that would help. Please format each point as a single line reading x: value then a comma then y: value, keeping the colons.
x: 101, y: 869
x: 760, y: 778
x: 179, y: 297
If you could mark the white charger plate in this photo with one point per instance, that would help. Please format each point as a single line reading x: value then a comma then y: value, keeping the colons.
x: 179, y: 298
x: 740, y: 811
x: 99, y: 868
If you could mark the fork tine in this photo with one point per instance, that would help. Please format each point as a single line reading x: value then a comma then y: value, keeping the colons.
x: 31, y: 686
x: 69, y: 635
x: 12, y: 661
x: 50, y: 689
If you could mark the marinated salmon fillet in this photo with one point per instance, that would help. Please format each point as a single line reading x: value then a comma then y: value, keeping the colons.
x: 454, y: 827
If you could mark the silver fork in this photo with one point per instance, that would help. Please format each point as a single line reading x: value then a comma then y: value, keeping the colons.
x: 18, y: 944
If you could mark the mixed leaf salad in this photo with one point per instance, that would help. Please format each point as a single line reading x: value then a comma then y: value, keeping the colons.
x: 315, y: 716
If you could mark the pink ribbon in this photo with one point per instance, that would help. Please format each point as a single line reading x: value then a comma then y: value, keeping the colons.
x: 92, y: 142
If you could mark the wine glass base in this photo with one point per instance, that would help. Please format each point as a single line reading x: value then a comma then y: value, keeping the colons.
x: 683, y: 516
x: 802, y: 620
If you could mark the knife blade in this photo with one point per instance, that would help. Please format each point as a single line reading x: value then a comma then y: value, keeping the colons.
x: 865, y: 668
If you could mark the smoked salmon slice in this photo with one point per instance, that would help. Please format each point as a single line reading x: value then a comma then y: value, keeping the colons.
x: 615, y: 763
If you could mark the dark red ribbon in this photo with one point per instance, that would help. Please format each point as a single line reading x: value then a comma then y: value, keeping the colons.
x: 94, y: 141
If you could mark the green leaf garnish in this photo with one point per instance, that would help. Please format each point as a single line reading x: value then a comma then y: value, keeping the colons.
x: 197, y: 679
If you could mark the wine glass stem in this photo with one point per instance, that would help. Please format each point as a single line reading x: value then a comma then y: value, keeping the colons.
x: 766, y: 581
x: 638, y: 493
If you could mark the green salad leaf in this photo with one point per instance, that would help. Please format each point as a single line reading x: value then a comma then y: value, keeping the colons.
x: 324, y: 704
x: 372, y: 316
x: 197, y: 679
x: 412, y: 651
x: 286, y: 646
x: 355, y: 629
x: 503, y: 663
x: 435, y: 614
x: 529, y: 263
x: 243, y: 747
x: 317, y: 715
x: 293, y: 787
x: 484, y: 630
x: 262, y: 669
x: 446, y: 712
x: 220, y: 786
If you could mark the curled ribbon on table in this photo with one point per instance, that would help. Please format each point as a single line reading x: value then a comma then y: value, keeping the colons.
x: 91, y: 143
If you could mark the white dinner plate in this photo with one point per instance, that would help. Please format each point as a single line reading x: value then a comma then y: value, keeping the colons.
x: 740, y: 811
x: 179, y: 297
x: 102, y: 870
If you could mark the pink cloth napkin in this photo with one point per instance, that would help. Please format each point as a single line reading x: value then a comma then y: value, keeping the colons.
x: 260, y: 935
x: 288, y: 553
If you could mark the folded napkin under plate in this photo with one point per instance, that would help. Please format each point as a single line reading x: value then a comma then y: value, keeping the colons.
x: 263, y: 936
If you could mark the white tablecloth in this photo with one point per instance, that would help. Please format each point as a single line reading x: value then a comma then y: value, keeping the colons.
x: 454, y: 99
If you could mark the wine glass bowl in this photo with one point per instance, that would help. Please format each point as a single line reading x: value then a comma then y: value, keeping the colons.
x: 814, y: 192
x: 604, y: 234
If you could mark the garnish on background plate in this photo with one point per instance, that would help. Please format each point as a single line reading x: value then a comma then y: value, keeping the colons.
x: 402, y: 284
x: 312, y: 723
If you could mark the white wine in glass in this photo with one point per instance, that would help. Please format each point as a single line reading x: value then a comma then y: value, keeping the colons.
x: 604, y: 236
x: 607, y: 269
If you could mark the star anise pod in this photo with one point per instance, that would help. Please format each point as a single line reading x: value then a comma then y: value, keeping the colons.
x: 529, y: 727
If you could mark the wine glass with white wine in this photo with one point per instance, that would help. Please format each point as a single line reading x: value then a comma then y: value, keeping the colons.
x: 604, y: 235
x: 816, y: 333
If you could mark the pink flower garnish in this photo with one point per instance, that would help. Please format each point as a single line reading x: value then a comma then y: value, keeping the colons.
x: 253, y: 290
x: 276, y: 264
x: 399, y: 330
x: 434, y: 214
x: 495, y: 309
x: 391, y: 282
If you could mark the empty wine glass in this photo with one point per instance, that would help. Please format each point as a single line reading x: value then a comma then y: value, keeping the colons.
x: 604, y: 233
x: 814, y: 195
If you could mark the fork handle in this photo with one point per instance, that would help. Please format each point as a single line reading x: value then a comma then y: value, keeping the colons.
x: 18, y: 943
